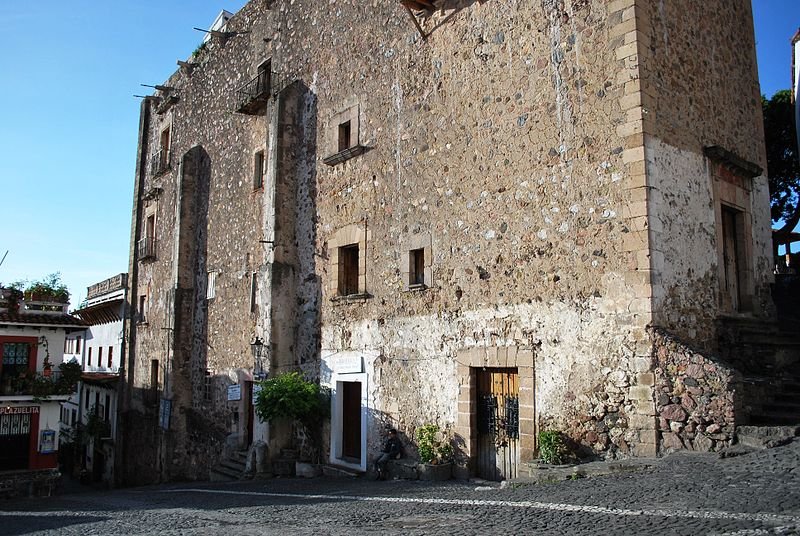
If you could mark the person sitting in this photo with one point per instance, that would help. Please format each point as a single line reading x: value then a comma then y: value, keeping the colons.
x: 392, y: 450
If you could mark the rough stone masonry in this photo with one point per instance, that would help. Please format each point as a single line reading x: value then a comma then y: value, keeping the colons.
x: 550, y: 190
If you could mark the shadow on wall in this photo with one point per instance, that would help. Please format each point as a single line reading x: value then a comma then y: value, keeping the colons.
x: 427, y: 10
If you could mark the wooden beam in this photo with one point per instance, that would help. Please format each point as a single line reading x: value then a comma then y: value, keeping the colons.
x: 416, y: 23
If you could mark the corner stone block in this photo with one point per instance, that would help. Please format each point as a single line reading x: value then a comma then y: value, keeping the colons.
x: 640, y: 392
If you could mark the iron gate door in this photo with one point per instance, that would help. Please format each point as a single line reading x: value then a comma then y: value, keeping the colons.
x: 15, y: 430
x: 498, y: 423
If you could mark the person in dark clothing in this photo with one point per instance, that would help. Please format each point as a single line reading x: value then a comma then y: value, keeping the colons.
x: 391, y: 451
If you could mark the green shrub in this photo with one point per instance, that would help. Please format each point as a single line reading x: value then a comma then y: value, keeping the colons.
x: 431, y: 446
x: 552, y: 448
x: 291, y: 396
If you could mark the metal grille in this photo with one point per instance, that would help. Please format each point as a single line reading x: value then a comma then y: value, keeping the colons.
x: 512, y: 417
x: 487, y: 414
x: 15, y: 424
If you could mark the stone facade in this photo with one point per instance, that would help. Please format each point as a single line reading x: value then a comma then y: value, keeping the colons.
x: 525, y: 189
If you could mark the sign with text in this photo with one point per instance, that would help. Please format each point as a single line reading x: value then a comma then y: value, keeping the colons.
x: 256, y: 390
x: 9, y: 410
x: 348, y: 364
x: 234, y: 392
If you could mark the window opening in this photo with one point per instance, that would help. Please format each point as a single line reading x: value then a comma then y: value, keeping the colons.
x: 416, y: 269
x: 348, y: 270
x: 253, y: 290
x: 110, y: 355
x: 258, y: 170
x: 344, y: 136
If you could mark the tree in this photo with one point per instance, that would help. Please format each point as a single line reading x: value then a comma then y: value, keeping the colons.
x: 783, y: 167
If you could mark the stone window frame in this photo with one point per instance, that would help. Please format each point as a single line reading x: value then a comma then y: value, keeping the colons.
x: 350, y: 235
x: 349, y: 114
x: 424, y: 242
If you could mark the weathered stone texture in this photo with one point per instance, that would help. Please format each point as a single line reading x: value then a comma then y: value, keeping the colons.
x: 535, y: 152
x: 694, y: 397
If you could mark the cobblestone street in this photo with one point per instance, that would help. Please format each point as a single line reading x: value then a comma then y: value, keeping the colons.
x: 756, y: 493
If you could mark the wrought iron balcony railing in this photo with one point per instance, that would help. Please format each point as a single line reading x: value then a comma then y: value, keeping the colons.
x: 147, y: 248
x: 160, y: 162
x: 252, y: 97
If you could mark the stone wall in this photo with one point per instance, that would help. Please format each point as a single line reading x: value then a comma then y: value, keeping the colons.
x: 698, y: 88
x: 696, y: 397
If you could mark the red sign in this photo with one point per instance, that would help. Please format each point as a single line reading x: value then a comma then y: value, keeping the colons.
x: 8, y: 410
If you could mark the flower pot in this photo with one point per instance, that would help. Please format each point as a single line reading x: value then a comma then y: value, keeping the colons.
x: 442, y: 471
x: 307, y: 470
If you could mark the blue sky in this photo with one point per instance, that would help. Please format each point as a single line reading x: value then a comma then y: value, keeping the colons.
x: 70, y: 122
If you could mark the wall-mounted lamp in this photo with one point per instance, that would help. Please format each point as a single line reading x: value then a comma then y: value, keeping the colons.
x: 260, y: 352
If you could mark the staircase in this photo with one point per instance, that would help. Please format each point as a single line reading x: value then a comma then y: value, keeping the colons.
x: 782, y: 408
x: 230, y: 468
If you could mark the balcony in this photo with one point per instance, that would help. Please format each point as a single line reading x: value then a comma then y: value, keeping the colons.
x: 160, y: 162
x: 147, y: 248
x: 37, y: 385
x: 252, y: 97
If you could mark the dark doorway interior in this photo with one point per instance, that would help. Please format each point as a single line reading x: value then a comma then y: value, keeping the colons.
x: 351, y: 420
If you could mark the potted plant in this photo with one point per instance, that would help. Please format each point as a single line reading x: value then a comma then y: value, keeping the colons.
x: 435, y: 453
x: 49, y: 289
x: 290, y: 396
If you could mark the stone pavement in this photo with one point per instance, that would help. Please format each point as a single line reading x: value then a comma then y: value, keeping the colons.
x: 685, y: 494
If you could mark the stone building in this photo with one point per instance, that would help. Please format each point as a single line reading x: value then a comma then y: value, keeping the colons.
x: 500, y: 217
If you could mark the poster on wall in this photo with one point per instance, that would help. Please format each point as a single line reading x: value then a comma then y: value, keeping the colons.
x: 164, y: 413
x: 47, y: 442
x: 234, y: 392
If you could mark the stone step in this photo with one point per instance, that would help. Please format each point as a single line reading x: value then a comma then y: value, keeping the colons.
x: 774, y: 419
x: 761, y: 437
x: 339, y: 472
x: 233, y: 465
x: 781, y: 407
x: 221, y: 473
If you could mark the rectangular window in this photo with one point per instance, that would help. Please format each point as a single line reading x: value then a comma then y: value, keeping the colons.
x: 259, y: 168
x: 107, y: 414
x: 348, y: 270
x: 89, y: 361
x: 164, y: 149
x: 253, y: 290
x: 77, y: 345
x: 211, y: 288
x: 344, y: 136
x: 142, y: 310
x: 150, y: 227
x: 154, y: 375
x: 86, y: 398
x: 110, y: 355
x: 416, y: 268
x: 74, y: 417
x: 100, y: 356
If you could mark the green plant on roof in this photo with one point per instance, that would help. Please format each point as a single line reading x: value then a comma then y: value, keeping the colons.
x: 50, y: 287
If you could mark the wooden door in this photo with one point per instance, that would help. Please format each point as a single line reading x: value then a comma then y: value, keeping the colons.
x: 498, y: 423
x: 351, y: 420
x: 730, y: 253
